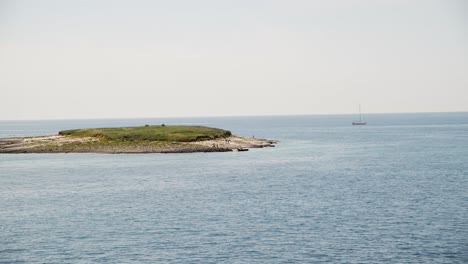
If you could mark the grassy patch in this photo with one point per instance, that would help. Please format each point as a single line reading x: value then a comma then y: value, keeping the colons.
x: 151, y: 133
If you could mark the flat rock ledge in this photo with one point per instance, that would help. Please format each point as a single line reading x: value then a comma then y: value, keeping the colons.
x: 68, y: 144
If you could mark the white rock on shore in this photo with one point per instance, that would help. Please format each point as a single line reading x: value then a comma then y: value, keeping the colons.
x: 61, y: 144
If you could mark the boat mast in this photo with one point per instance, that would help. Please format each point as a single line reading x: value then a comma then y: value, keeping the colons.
x: 360, y: 116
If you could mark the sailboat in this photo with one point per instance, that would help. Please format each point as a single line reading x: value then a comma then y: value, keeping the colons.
x: 360, y: 122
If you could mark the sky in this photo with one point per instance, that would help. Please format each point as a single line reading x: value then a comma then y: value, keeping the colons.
x: 123, y: 59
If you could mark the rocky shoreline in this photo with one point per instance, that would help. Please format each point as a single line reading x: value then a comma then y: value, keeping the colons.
x: 69, y: 144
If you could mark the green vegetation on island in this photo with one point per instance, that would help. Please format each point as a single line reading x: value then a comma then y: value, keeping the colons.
x: 159, y: 133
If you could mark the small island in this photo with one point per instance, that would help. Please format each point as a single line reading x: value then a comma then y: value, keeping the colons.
x: 143, y: 139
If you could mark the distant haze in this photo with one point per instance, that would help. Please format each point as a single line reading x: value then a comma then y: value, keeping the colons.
x: 119, y: 59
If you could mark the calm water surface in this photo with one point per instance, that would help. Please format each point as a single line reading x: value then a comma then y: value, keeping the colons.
x: 395, y: 191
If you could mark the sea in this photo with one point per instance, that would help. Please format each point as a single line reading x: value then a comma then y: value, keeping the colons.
x: 393, y: 191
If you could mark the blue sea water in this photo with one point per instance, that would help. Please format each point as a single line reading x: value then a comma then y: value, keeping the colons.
x: 394, y: 191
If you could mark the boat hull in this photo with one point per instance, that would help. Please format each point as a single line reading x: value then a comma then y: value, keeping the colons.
x: 359, y: 123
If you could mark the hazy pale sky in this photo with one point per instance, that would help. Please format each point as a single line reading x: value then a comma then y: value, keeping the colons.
x: 96, y: 58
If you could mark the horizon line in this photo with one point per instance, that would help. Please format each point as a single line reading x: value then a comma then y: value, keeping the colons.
x: 227, y: 116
